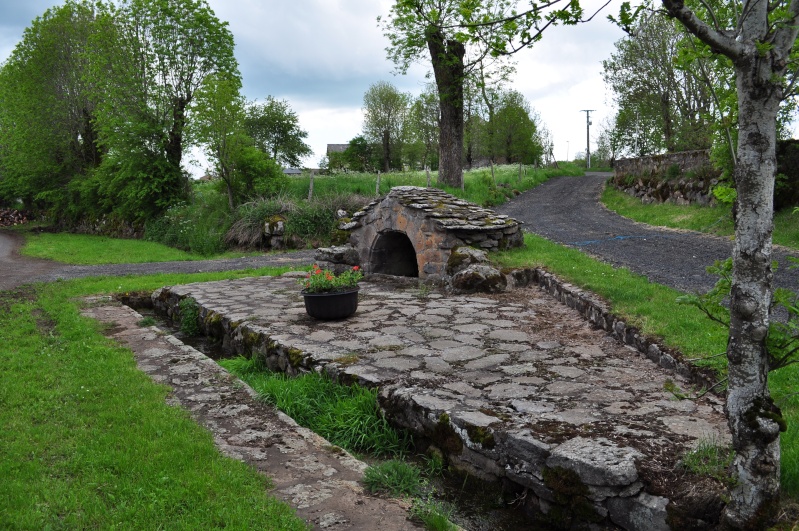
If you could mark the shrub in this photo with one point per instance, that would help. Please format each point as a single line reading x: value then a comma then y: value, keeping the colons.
x: 394, y: 477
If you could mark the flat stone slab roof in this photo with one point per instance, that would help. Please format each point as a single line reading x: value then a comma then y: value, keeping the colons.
x: 507, y: 385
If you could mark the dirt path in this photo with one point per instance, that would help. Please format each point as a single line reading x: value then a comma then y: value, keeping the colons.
x: 567, y: 210
x: 16, y: 270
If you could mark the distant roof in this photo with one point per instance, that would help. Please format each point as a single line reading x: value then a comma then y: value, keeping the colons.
x: 292, y: 171
x: 337, y: 148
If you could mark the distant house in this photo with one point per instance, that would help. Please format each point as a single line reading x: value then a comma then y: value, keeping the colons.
x: 292, y: 171
x: 336, y: 148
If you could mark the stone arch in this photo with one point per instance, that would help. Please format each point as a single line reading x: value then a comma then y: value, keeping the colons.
x: 393, y: 253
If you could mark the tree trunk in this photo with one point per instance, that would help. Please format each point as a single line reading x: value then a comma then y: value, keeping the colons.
x: 386, y: 151
x: 447, y: 59
x: 174, y: 147
x: 753, y: 418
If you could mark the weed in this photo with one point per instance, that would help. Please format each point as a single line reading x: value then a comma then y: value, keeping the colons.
x: 394, y: 477
x: 189, y: 316
x: 710, y: 458
x: 147, y: 321
x: 674, y: 389
x: 434, y: 464
x: 347, y: 416
x: 434, y: 515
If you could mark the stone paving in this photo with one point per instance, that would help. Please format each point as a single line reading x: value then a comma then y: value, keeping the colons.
x: 510, y: 386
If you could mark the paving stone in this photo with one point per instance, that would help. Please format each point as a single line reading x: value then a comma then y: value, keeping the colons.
x: 597, y: 461
x: 437, y: 365
x: 461, y: 353
x: 488, y: 361
x: 567, y: 372
x: 510, y: 390
x: 398, y: 364
x: 509, y: 335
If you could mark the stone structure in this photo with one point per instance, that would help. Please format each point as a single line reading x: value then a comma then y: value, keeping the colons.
x: 412, y: 232
x: 665, y: 178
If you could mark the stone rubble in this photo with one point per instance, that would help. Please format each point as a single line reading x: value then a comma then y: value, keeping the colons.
x: 513, y: 386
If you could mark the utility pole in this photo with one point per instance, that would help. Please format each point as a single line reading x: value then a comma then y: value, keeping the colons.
x: 588, y: 136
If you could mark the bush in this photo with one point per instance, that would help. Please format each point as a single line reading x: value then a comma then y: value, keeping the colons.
x: 198, y: 227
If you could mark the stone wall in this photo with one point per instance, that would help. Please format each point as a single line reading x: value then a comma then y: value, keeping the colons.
x: 682, y: 178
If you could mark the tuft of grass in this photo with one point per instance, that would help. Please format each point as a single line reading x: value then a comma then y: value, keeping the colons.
x: 347, y: 416
x: 711, y: 459
x: 394, y: 477
x: 89, y: 442
x: 433, y: 515
x: 189, y: 312
x: 147, y: 321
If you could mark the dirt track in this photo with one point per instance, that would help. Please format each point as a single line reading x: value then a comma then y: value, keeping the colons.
x: 567, y: 210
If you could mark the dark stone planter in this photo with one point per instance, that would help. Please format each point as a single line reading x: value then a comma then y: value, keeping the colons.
x: 331, y: 306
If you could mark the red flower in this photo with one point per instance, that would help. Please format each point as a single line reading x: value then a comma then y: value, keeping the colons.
x: 356, y: 268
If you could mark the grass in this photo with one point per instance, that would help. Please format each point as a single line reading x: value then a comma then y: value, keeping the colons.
x: 715, y: 220
x: 347, y: 416
x: 479, y: 186
x: 394, y: 477
x: 710, y: 459
x: 653, y: 309
x: 82, y: 249
x: 87, y: 440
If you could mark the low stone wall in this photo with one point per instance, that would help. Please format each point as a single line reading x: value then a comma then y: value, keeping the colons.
x: 683, y: 178
x: 598, y: 314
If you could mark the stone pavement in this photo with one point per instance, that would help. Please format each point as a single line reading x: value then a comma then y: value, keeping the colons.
x: 321, y: 482
x: 514, y: 386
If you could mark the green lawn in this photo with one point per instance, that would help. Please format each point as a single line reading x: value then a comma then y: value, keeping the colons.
x: 711, y: 220
x: 85, y: 249
x: 87, y: 440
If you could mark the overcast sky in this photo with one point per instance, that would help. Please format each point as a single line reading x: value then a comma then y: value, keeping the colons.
x: 322, y: 55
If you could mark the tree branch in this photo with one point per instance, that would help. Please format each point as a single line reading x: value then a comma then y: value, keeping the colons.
x: 715, y: 39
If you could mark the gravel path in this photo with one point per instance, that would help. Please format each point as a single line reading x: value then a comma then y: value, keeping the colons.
x: 567, y: 210
x: 16, y: 269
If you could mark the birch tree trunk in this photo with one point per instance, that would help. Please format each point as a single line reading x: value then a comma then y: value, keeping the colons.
x: 751, y: 413
x: 759, y: 48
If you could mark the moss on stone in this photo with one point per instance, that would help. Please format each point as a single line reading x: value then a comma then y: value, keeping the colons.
x: 445, y: 437
x: 482, y: 436
x: 295, y: 357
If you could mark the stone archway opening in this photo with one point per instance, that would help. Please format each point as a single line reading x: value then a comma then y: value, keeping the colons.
x: 394, y: 254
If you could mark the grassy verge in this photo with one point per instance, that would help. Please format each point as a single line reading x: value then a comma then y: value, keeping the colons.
x: 87, y: 441
x: 710, y: 220
x: 84, y: 249
x: 653, y: 309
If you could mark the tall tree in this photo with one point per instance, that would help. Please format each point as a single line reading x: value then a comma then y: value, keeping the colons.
x: 424, y: 117
x: 152, y: 57
x: 759, y: 38
x: 385, y: 110
x: 512, y: 130
x: 275, y: 128
x: 457, y: 35
x: 47, y: 114
x: 653, y: 84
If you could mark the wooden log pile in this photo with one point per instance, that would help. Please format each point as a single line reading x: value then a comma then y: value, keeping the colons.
x: 10, y: 217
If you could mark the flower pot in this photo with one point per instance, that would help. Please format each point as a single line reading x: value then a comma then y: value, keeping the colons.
x: 331, y: 306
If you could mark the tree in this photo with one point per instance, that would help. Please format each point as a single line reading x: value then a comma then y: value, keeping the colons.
x: 275, y: 128
x: 151, y: 58
x: 455, y: 36
x: 385, y: 110
x: 653, y: 84
x: 759, y: 38
x: 423, y: 118
x: 513, y: 131
x: 47, y: 114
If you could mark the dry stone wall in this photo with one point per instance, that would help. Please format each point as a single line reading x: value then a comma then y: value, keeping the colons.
x: 683, y: 178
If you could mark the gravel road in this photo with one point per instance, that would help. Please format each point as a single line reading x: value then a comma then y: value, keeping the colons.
x: 567, y: 210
